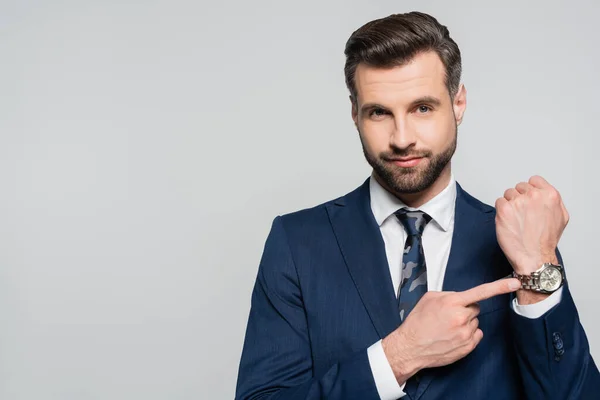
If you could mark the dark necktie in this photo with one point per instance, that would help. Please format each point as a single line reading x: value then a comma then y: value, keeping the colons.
x: 413, y: 282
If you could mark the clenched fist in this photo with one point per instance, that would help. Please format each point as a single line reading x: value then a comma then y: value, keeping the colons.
x: 530, y: 220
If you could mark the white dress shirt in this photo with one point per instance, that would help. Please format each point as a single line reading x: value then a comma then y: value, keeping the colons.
x: 436, y: 240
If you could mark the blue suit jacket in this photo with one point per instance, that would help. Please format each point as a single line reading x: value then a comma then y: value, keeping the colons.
x: 324, y: 294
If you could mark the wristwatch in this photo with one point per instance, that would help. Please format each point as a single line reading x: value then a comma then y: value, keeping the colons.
x: 548, y: 279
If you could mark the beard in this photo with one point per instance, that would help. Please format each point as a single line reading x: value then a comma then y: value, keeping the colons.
x: 405, y: 180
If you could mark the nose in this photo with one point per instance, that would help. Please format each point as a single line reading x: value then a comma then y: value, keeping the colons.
x: 403, y: 135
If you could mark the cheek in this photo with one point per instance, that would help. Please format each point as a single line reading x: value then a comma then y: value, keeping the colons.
x: 435, y: 133
x: 376, y: 134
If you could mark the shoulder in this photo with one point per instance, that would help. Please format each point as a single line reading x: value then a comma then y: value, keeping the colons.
x: 311, y: 218
x: 467, y: 198
x: 295, y: 236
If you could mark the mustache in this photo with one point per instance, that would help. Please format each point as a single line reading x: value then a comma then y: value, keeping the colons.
x: 404, y: 153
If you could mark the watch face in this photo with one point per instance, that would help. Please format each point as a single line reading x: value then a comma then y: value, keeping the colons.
x: 550, y: 279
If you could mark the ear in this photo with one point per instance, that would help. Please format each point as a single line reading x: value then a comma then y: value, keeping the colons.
x: 354, y: 104
x: 459, y: 104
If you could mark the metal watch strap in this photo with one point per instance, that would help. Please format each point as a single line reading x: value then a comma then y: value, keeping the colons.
x: 529, y: 282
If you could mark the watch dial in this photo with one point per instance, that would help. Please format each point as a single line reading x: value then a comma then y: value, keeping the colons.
x: 550, y: 279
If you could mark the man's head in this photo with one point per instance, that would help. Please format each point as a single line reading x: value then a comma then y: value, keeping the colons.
x: 403, y: 73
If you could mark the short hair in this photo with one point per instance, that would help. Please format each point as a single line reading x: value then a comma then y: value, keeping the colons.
x: 395, y: 40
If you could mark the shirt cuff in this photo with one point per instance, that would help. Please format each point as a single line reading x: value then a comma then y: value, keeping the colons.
x: 385, y: 380
x: 538, y: 309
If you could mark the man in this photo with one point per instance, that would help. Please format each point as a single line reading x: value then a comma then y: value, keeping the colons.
x: 397, y: 289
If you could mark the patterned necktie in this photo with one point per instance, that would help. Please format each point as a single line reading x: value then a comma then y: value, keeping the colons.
x: 413, y: 282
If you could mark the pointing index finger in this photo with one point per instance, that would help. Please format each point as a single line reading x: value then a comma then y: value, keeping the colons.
x: 489, y: 290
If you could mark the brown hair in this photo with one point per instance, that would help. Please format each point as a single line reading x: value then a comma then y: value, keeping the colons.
x: 395, y: 40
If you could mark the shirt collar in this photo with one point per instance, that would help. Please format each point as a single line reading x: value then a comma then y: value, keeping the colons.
x: 440, y: 208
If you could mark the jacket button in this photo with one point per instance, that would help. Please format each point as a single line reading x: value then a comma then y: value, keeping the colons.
x: 557, y: 340
x: 559, y: 348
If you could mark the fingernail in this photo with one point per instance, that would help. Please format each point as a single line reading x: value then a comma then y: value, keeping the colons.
x: 514, y: 284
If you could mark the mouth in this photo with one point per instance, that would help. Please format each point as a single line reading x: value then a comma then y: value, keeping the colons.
x: 407, y: 162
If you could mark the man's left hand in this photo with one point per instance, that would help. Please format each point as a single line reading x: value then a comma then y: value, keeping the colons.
x: 530, y: 220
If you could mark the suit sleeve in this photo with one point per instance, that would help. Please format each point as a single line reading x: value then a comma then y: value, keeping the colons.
x: 554, y: 354
x: 276, y: 360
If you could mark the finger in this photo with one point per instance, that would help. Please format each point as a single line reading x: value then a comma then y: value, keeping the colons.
x: 475, y: 340
x: 565, y: 213
x: 488, y: 290
x: 500, y: 203
x: 474, y: 310
x: 510, y: 194
x: 539, y: 182
x: 473, y: 325
x: 477, y: 336
x: 523, y: 187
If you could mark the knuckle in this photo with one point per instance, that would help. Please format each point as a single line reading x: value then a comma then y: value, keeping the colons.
x: 479, y: 335
x: 460, y: 319
x: 519, y: 200
x: 454, y: 298
x: 499, y: 209
x: 503, y: 206
x: 534, y: 194
x: 464, y: 335
x: 476, y: 339
x: 474, y: 343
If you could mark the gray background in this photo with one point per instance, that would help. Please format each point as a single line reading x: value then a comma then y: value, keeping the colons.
x: 145, y: 148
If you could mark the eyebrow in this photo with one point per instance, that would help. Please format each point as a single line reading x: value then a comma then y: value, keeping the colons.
x: 434, y: 101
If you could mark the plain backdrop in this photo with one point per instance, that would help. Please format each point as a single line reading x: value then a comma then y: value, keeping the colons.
x: 146, y: 146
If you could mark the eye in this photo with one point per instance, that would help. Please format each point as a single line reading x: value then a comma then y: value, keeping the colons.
x: 423, y: 109
x: 378, y: 113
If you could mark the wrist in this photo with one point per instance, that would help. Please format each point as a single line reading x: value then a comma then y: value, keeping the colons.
x: 527, y: 297
x: 552, y: 259
x: 526, y: 267
x: 396, y: 347
x: 540, y: 283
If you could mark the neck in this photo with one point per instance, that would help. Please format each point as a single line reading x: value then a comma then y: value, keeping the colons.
x: 416, y: 200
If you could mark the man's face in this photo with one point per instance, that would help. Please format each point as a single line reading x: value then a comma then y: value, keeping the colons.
x: 407, y: 121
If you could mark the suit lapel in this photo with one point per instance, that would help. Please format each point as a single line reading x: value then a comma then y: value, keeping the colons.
x: 471, y: 218
x: 363, y: 249
x: 470, y: 224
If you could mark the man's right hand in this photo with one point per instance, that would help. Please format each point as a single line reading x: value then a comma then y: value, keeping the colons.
x: 441, y: 329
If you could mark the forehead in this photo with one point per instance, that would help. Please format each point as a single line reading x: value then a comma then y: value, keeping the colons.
x: 424, y: 75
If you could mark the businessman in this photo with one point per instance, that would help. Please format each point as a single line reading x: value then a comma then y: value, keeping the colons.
x: 409, y: 287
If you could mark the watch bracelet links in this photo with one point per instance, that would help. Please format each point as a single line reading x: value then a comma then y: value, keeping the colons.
x: 529, y: 282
